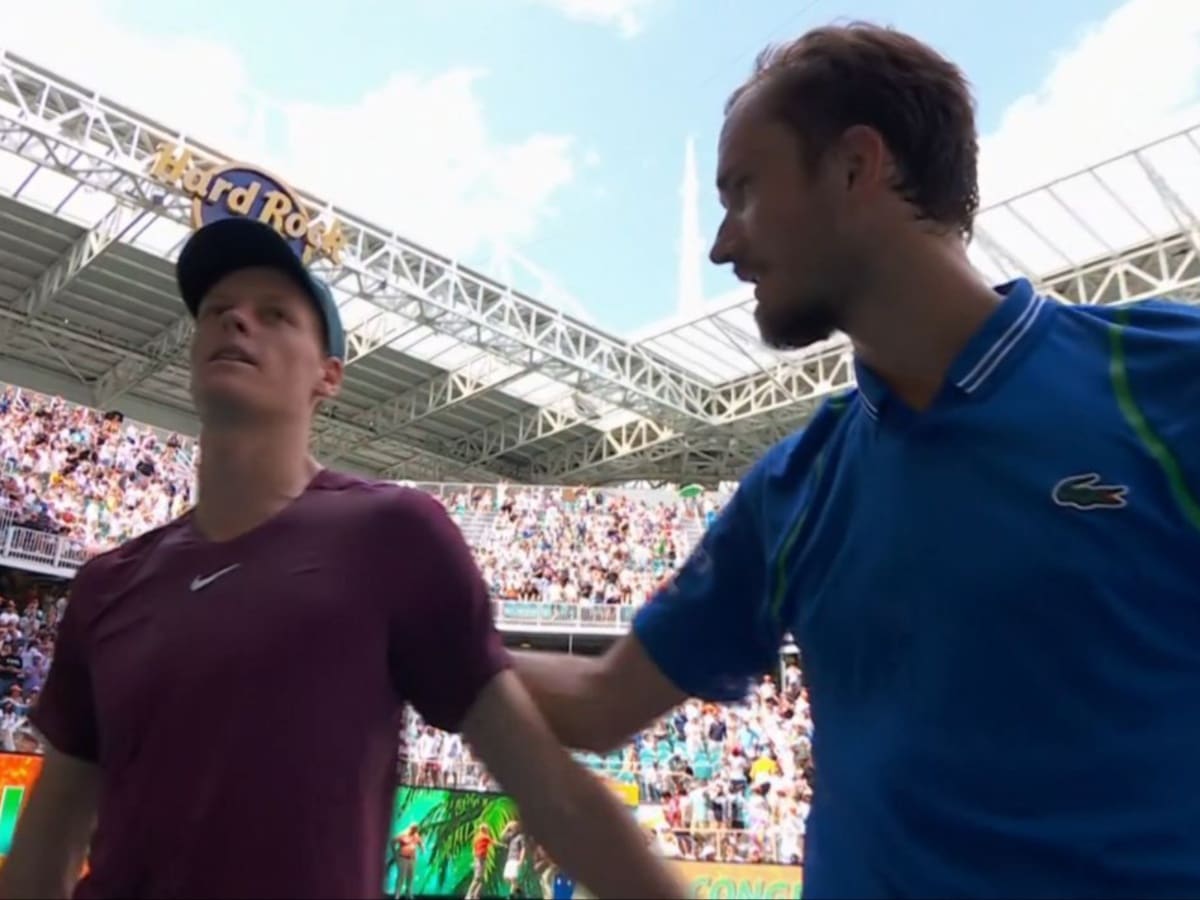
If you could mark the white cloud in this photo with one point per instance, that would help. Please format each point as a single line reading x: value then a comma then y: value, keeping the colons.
x: 1130, y: 78
x: 414, y: 154
x: 627, y: 16
x: 1122, y: 82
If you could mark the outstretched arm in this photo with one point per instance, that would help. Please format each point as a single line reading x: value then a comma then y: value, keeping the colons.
x: 448, y: 660
x: 569, y: 811
x: 705, y: 634
x: 597, y: 703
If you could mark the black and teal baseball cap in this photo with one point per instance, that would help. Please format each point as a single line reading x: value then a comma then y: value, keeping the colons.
x: 234, y: 243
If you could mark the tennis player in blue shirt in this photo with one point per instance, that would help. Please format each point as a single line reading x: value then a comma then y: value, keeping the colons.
x: 989, y: 553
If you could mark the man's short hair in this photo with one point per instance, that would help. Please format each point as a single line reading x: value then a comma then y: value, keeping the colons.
x: 832, y: 78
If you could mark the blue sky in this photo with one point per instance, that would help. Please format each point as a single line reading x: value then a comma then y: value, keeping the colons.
x: 553, y: 128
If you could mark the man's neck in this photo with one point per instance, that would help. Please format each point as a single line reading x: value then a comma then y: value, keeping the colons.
x: 923, y: 309
x: 246, y: 477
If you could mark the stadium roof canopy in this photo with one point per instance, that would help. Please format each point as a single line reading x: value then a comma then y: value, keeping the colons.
x: 453, y: 376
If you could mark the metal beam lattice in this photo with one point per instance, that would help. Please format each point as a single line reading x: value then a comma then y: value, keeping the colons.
x: 1117, y: 231
x: 498, y: 439
x: 439, y: 393
x: 56, y: 125
x: 68, y: 266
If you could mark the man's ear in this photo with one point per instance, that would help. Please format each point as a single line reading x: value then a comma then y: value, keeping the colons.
x: 332, y: 374
x: 864, y: 157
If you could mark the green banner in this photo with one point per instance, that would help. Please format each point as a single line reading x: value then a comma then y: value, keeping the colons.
x: 466, y: 839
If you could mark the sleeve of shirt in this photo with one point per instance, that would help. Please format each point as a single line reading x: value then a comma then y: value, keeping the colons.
x: 444, y: 645
x: 1156, y: 377
x: 707, y: 629
x: 65, y: 713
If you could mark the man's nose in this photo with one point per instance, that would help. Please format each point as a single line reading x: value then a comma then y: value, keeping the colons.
x: 722, y: 248
x: 234, y: 320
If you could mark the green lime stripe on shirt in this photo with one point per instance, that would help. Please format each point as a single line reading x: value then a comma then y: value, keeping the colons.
x: 836, y: 405
x: 781, y: 579
x: 1133, y: 414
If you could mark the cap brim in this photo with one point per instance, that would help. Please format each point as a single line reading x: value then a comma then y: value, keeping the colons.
x: 226, y: 246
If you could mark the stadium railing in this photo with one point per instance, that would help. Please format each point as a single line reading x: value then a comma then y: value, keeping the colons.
x: 53, y: 554
x: 538, y: 615
x: 730, y: 845
x: 39, y: 551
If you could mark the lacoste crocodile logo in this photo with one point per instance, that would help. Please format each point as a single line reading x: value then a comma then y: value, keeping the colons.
x: 1086, y: 492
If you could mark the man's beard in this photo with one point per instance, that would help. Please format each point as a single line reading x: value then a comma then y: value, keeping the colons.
x: 796, y: 327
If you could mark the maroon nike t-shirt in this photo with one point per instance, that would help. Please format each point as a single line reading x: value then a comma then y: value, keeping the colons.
x: 243, y: 699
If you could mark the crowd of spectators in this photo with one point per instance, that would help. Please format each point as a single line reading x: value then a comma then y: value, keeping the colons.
x: 714, y: 783
x: 30, y: 610
x: 580, y: 545
x: 87, y: 475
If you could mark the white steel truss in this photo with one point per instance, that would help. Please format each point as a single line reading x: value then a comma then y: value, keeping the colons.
x: 496, y: 439
x: 644, y: 450
x: 66, y: 268
x: 55, y: 125
x: 1116, y: 232
x: 443, y: 391
x: 1120, y: 230
x: 417, y: 459
x: 777, y: 391
x: 166, y: 348
x: 152, y: 358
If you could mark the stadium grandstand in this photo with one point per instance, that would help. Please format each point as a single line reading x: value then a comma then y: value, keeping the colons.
x: 581, y: 466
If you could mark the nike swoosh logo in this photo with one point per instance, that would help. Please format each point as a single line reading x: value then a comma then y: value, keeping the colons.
x: 1086, y: 492
x: 202, y: 582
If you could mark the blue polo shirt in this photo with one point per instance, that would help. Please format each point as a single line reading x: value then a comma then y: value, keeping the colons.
x: 997, y: 602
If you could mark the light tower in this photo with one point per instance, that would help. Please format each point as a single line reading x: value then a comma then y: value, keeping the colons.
x: 691, y: 242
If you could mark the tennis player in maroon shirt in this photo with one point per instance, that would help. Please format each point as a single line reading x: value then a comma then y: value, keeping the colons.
x: 223, y: 709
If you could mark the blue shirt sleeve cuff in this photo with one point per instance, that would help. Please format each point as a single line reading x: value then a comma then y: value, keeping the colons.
x: 680, y: 661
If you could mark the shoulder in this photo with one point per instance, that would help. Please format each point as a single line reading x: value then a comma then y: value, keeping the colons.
x: 380, y: 503
x: 791, y: 459
x: 1161, y: 325
x: 1150, y: 347
x: 1153, y: 312
x: 1160, y: 321
x: 120, y: 563
x: 388, y: 515
x: 105, y: 575
x: 781, y: 474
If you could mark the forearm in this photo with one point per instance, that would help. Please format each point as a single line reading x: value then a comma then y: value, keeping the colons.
x: 562, y: 687
x: 52, y: 838
x: 597, y: 842
x: 23, y: 877
x: 570, y: 813
x: 43, y: 863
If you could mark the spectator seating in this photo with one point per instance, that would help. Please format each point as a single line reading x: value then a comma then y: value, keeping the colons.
x: 725, y: 782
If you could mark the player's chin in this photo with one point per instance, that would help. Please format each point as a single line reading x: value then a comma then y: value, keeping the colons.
x: 792, y: 329
x: 772, y: 326
x: 228, y: 394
